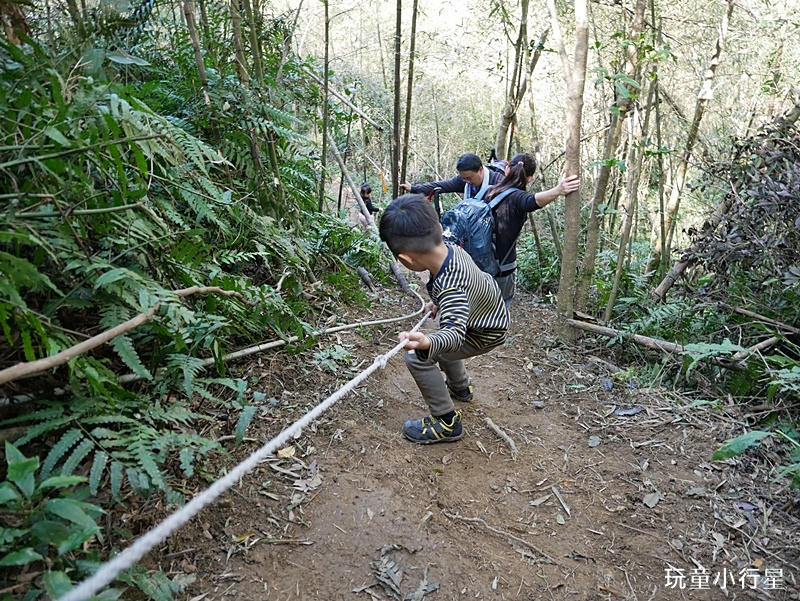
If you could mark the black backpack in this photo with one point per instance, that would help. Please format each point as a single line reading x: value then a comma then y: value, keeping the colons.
x: 470, y: 224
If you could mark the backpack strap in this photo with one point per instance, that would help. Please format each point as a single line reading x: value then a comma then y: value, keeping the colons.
x: 483, y: 189
x: 503, y: 266
x: 500, y: 198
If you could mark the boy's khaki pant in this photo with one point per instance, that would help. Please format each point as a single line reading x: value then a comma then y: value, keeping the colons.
x: 430, y: 381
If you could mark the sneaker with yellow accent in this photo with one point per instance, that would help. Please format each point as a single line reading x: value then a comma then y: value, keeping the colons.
x: 464, y: 395
x: 432, y: 429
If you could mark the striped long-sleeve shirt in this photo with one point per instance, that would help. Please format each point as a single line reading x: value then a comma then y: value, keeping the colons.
x: 470, y: 305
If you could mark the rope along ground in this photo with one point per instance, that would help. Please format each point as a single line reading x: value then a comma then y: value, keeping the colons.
x: 127, y: 558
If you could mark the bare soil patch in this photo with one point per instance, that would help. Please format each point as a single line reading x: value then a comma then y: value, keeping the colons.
x: 611, y: 494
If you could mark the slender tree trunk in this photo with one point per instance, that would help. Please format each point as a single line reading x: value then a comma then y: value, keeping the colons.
x: 630, y: 202
x: 380, y: 51
x: 409, y: 90
x: 238, y: 43
x: 396, y: 121
x: 77, y: 17
x: 344, y: 160
x: 622, y: 106
x: 575, y: 78
x: 188, y: 13
x: 438, y: 156
x: 661, y: 252
x: 323, y: 167
x: 207, y: 37
x: 520, y: 54
x: 255, y: 46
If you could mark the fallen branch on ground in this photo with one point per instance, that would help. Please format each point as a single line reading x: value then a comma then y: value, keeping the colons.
x: 501, y: 533
x: 505, y: 437
x: 668, y: 348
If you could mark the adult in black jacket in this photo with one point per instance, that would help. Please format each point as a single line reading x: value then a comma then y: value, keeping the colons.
x: 473, y: 179
x: 511, y: 213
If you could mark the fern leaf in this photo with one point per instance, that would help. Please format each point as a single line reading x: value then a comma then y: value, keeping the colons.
x: 187, y: 461
x: 244, y: 420
x: 109, y: 419
x: 78, y: 455
x: 133, y: 479
x: 115, y: 476
x: 67, y: 441
x: 124, y: 347
x: 43, y: 428
x: 96, y: 473
x: 147, y: 461
x: 36, y: 416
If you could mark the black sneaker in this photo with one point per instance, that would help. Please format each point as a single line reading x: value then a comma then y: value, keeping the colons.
x: 432, y: 429
x: 464, y: 395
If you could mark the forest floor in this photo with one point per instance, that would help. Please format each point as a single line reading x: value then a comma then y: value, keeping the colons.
x: 611, y: 494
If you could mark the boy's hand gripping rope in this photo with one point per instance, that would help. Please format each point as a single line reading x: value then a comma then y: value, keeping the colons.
x: 108, y: 571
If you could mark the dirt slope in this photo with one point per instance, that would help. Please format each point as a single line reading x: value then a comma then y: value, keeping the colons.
x: 359, y: 513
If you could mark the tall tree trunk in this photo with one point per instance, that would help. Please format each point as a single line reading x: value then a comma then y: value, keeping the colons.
x: 344, y: 160
x: 661, y: 252
x: 575, y: 79
x: 238, y: 43
x: 323, y: 167
x: 517, y: 94
x: 409, y: 90
x: 255, y: 46
x: 207, y: 37
x: 637, y: 155
x: 438, y: 156
x: 520, y: 54
x: 396, y: 120
x: 188, y: 13
x: 77, y: 17
x: 622, y: 108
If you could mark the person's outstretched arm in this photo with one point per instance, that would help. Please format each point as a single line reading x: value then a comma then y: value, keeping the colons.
x: 565, y: 186
x: 454, y: 184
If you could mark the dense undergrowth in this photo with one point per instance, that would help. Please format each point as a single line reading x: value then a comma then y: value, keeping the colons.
x: 735, y: 310
x: 130, y: 191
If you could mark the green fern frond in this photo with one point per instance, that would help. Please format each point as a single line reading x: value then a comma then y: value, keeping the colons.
x: 96, y: 473
x: 109, y: 419
x: 35, y: 416
x: 124, y: 348
x: 44, y: 428
x: 78, y: 455
x: 148, y: 462
x: 65, y: 443
x: 115, y: 477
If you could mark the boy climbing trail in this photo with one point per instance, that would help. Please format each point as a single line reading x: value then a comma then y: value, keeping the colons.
x: 472, y: 317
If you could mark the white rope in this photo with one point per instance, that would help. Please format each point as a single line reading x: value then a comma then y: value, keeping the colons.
x: 252, y: 350
x: 127, y: 558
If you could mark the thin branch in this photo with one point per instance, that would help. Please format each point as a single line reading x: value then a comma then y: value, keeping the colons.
x: 31, y: 367
x: 63, y: 153
x: 503, y: 436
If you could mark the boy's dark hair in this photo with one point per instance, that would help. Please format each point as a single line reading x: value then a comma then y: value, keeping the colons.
x: 521, y: 167
x: 410, y: 224
x: 469, y: 162
x: 365, y: 189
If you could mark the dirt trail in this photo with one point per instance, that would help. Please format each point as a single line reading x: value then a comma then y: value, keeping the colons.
x: 360, y: 513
